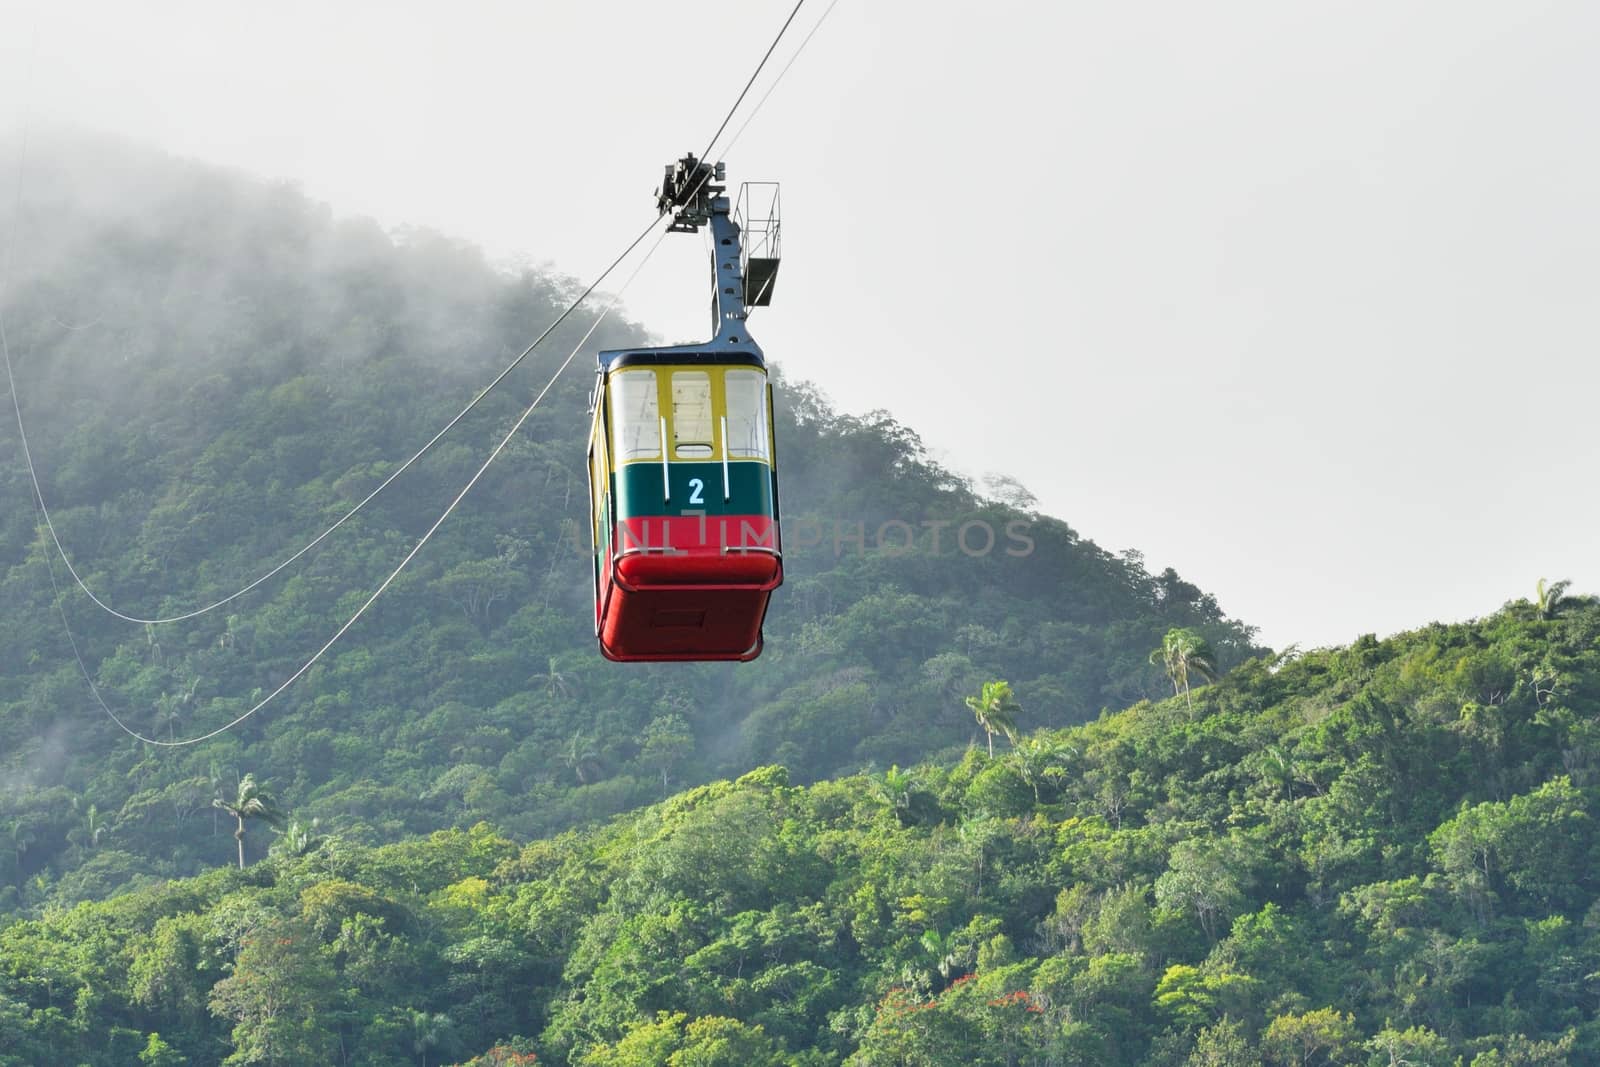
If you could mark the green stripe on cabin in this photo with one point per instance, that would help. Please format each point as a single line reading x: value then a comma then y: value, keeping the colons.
x: 639, y: 489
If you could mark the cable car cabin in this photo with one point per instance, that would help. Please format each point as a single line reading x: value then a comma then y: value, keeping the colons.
x: 685, y: 505
x: 683, y: 480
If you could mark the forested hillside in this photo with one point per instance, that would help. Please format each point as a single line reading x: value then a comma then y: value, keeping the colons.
x: 214, y: 369
x: 1377, y: 855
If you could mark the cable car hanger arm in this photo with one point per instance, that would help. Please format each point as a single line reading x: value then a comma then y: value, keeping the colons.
x: 692, y: 191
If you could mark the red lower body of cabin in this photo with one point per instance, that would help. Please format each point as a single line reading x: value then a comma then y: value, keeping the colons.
x: 688, y: 587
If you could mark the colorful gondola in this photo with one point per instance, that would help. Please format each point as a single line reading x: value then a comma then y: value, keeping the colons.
x: 682, y: 462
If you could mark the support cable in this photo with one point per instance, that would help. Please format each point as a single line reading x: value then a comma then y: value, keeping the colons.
x: 27, y: 454
x: 449, y: 509
x: 760, y: 103
x: 184, y: 616
x: 382, y: 588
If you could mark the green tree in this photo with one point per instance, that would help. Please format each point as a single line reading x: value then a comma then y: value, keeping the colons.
x: 1322, y: 1036
x: 667, y: 742
x: 1536, y: 844
x: 581, y: 757
x: 716, y: 1041
x: 1415, y: 1046
x: 477, y: 585
x: 503, y: 1056
x: 673, y: 1040
x: 299, y: 839
x: 429, y: 1030
x: 157, y: 1053
x: 908, y: 1031
x: 1192, y: 997
x: 552, y: 681
x: 1278, y: 767
x: 1040, y: 759
x: 169, y: 971
x: 1548, y: 598
x: 1223, y: 1045
x: 1184, y: 652
x: 280, y: 998
x: 996, y: 711
x: 1204, y: 877
x: 1518, y: 1050
x: 947, y: 951
x: 894, y: 788
x: 94, y: 826
x: 251, y: 802
x: 22, y: 837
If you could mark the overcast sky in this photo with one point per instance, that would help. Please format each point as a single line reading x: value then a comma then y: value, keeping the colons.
x: 1298, y: 298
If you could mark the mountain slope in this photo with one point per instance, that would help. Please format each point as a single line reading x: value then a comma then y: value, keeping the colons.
x: 1377, y: 854
x: 213, y: 369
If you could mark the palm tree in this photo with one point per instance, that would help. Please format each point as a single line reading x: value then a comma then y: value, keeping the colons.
x: 253, y: 802
x: 1278, y: 766
x: 946, y: 955
x: 555, y: 683
x: 1549, y: 601
x: 1039, y: 759
x: 171, y: 707
x: 94, y: 826
x: 298, y: 838
x: 427, y: 1031
x: 580, y: 754
x: 1184, y: 652
x: 996, y: 709
x: 895, y: 787
x: 22, y: 839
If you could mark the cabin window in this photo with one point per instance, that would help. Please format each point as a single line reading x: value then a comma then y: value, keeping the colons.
x: 747, y: 414
x: 692, y: 436
x: 635, y: 415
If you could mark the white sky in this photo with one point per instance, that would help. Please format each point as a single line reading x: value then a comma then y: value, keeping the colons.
x: 1298, y: 298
